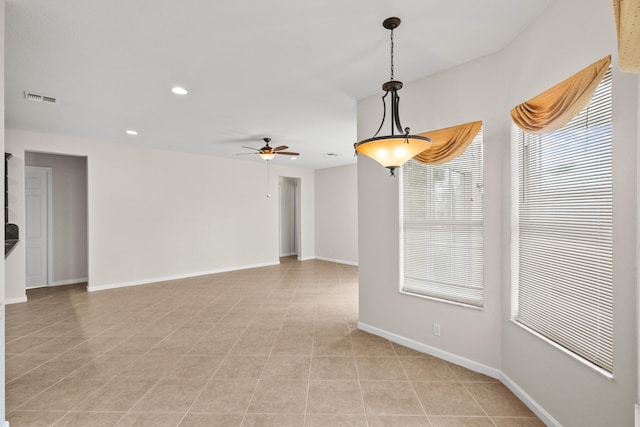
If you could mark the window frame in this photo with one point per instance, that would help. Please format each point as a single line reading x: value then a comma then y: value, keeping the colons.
x: 516, y: 195
x: 401, y: 182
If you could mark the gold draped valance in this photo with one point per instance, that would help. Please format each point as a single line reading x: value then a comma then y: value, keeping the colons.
x: 627, y: 14
x: 555, y: 107
x: 448, y: 143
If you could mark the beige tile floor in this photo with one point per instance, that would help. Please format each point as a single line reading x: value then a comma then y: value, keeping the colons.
x: 273, y: 346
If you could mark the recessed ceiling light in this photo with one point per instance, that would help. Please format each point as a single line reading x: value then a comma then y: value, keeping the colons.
x: 179, y: 90
x: 132, y: 132
x: 294, y: 158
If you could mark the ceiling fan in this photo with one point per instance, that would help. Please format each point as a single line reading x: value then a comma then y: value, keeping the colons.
x: 267, y: 152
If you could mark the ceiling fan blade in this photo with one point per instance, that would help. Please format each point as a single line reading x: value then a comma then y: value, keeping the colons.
x: 288, y: 153
x: 280, y: 148
x: 250, y: 148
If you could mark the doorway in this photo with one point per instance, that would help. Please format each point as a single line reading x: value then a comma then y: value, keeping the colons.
x: 289, y: 217
x: 60, y: 242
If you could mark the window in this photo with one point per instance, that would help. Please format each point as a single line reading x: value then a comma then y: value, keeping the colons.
x: 442, y: 228
x: 564, y: 289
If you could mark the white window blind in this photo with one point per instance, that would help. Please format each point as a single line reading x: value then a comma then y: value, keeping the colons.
x: 442, y: 228
x: 565, y: 283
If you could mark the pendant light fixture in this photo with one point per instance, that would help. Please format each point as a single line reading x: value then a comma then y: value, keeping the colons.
x: 393, y: 150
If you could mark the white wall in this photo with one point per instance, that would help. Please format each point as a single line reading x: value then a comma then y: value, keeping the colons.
x: 638, y: 272
x: 570, y: 35
x: 2, y: 268
x: 458, y: 96
x: 69, y: 206
x: 549, y: 376
x: 337, y: 214
x: 156, y: 214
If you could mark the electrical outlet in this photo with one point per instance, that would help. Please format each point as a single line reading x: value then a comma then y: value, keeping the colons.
x: 436, y: 329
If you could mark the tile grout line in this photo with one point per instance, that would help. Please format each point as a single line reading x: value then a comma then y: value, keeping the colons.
x: 132, y: 362
x: 217, y: 368
x: 140, y: 356
x: 324, y: 293
x: 58, y: 355
x: 475, y: 400
x: 226, y: 356
x: 313, y: 345
x: 413, y: 389
x: 129, y: 411
x: 353, y: 354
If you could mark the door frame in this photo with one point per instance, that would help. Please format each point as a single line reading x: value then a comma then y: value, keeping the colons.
x: 49, y: 246
x: 297, y: 183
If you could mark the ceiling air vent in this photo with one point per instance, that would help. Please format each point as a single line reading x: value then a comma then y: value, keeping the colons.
x: 30, y: 96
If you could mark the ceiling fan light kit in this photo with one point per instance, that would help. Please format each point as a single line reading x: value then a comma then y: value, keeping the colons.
x: 392, y: 150
x: 268, y: 153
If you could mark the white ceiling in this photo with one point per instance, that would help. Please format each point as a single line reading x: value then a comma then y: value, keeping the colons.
x: 288, y: 69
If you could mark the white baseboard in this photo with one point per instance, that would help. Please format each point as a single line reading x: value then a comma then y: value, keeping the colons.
x: 433, y: 351
x: 637, y: 420
x: 288, y: 254
x: 546, y: 417
x: 69, y: 282
x: 338, y: 261
x: 15, y: 300
x: 173, y: 277
x: 472, y: 365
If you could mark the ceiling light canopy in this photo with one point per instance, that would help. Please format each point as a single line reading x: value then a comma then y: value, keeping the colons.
x: 392, y: 150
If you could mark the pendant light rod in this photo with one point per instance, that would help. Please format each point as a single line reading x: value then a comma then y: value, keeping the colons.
x: 391, y: 24
x: 393, y: 85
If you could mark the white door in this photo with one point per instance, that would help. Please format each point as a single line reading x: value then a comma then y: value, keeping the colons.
x: 36, y: 232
